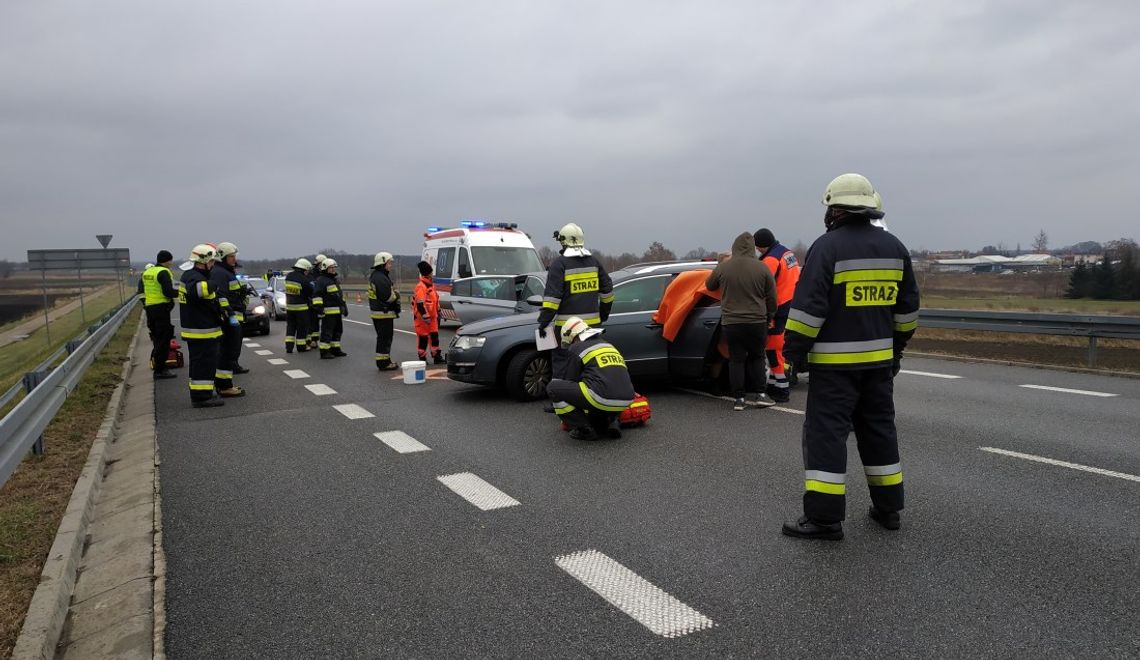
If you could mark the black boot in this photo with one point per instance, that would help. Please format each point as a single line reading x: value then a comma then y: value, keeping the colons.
x: 209, y: 403
x: 336, y: 352
x: 161, y: 375
x: 805, y: 528
x: 584, y: 433
x: 438, y: 359
x: 238, y: 369
x: 888, y: 519
x: 326, y: 354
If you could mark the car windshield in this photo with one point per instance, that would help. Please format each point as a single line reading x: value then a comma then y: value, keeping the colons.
x: 259, y: 284
x: 495, y: 260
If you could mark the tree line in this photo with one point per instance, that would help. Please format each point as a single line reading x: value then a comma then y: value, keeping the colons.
x: 1116, y: 277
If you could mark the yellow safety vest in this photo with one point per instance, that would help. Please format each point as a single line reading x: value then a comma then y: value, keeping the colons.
x: 152, y: 289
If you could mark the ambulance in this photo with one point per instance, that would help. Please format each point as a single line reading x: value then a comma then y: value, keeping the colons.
x: 476, y: 247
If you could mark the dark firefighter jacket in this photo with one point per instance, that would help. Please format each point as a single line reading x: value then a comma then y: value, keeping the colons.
x: 298, y: 291
x: 199, y: 306
x: 600, y: 371
x: 383, y: 299
x: 327, y: 296
x: 230, y: 293
x: 576, y: 286
x: 856, y: 305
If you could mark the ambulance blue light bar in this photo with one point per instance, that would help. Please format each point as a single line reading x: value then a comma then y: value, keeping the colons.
x: 472, y: 224
x: 432, y: 230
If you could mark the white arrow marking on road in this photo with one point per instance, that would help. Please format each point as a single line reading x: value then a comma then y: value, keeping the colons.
x: 648, y: 604
x: 401, y: 442
x: 476, y: 491
x: 264, y: 352
x: 1067, y: 390
x: 406, y: 332
x: 252, y: 345
x: 295, y: 373
x: 1053, y: 461
x: 320, y: 389
x: 278, y: 361
x: 929, y: 374
x: 353, y: 411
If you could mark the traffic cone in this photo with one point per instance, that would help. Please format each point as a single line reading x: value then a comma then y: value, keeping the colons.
x: 359, y: 299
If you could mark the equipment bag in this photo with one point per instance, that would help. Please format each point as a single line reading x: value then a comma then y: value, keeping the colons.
x: 174, y: 357
x: 637, y: 413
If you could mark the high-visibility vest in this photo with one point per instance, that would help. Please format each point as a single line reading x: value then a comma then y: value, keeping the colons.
x: 152, y: 288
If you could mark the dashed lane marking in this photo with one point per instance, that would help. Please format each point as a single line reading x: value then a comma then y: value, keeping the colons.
x: 1067, y: 390
x: 278, y: 361
x: 478, y: 492
x: 648, y: 604
x: 295, y: 373
x: 929, y: 374
x: 401, y: 442
x: 263, y: 352
x: 353, y: 411
x: 732, y: 400
x: 406, y: 332
x: 252, y: 345
x: 320, y: 389
x: 1053, y: 461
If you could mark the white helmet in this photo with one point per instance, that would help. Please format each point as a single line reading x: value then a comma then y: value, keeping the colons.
x: 203, y: 253
x: 381, y: 258
x: 576, y: 328
x: 303, y: 264
x: 319, y: 260
x: 851, y: 190
x: 328, y: 263
x: 571, y: 235
x: 226, y: 249
x: 148, y: 266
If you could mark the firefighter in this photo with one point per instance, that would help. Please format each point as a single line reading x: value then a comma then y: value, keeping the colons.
x: 384, y: 304
x: 328, y: 300
x: 201, y: 316
x: 232, y: 301
x: 854, y: 310
x: 782, y: 262
x: 298, y: 311
x: 595, y: 386
x: 315, y: 271
x: 425, y: 315
x: 157, y: 283
x: 577, y: 285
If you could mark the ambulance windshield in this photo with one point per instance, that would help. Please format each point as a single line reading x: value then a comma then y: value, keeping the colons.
x: 501, y: 260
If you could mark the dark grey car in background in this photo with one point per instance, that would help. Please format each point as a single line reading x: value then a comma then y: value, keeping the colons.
x: 501, y: 351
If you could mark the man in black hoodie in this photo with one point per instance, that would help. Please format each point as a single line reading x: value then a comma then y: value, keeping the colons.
x: 748, y: 305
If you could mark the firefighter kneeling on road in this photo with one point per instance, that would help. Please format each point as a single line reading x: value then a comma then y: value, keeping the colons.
x: 328, y: 300
x: 595, y: 386
x: 384, y: 304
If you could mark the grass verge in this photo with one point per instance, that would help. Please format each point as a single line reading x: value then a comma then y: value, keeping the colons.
x: 1029, y: 304
x: 1052, y: 350
x: 34, y: 499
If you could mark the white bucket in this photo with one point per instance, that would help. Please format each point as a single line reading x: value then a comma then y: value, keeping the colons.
x: 415, y: 371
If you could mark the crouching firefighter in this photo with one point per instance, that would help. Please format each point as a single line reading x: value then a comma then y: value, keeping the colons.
x: 425, y: 314
x: 328, y: 300
x: 200, y: 314
x: 298, y: 312
x: 384, y: 304
x: 595, y: 386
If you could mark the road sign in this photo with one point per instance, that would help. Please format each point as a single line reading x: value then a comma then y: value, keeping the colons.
x: 104, y: 239
x: 82, y: 259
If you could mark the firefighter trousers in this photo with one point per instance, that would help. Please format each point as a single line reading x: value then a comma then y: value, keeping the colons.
x: 385, y: 328
x: 296, y: 330
x: 229, y: 351
x: 572, y: 407
x: 331, y: 328
x: 203, y: 365
x: 314, y: 326
x: 839, y: 402
x: 161, y: 332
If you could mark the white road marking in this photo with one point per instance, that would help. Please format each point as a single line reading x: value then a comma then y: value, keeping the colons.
x: 277, y: 361
x: 1053, y: 461
x: 929, y: 374
x: 295, y: 373
x: 476, y: 491
x: 263, y: 352
x: 320, y: 389
x: 1067, y: 390
x: 252, y: 345
x: 732, y: 400
x: 406, y: 332
x: 401, y: 442
x: 648, y: 604
x: 353, y: 411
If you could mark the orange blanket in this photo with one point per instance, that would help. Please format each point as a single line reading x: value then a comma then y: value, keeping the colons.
x: 680, y: 298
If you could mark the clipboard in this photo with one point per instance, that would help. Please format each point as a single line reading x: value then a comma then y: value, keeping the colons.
x: 549, y: 343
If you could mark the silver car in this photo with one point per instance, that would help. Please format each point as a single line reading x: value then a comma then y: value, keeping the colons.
x: 274, y: 297
x: 489, y: 296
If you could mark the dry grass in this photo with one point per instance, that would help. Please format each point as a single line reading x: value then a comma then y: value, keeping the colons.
x: 34, y: 499
x: 1112, y: 354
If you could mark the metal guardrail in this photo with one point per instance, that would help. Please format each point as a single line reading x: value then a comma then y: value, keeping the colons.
x: 1070, y: 325
x: 22, y: 428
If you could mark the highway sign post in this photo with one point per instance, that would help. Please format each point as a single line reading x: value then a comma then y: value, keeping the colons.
x: 78, y: 260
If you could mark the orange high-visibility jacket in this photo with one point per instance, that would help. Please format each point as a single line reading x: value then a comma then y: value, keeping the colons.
x: 425, y: 307
x: 782, y: 262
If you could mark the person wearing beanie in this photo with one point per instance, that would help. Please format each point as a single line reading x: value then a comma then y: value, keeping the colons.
x: 425, y: 314
x: 782, y: 262
x: 158, y: 294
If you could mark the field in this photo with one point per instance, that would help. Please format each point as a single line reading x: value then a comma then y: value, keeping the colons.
x: 22, y: 298
x: 1028, y: 292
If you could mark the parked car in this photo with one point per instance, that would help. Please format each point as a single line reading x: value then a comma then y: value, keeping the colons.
x: 501, y: 351
x: 488, y: 296
x: 256, y: 313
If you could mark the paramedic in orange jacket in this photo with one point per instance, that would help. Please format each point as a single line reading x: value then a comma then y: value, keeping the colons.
x: 425, y: 314
x: 782, y: 262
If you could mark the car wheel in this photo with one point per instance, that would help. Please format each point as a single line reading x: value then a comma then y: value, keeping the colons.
x: 528, y: 374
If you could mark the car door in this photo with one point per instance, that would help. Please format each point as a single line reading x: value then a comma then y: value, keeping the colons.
x: 631, y: 329
x: 689, y: 352
x: 484, y: 297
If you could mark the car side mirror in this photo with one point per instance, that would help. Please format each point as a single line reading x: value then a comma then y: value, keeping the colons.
x: 534, y: 301
x: 464, y: 271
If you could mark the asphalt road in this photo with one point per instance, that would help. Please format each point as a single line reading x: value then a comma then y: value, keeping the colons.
x: 291, y: 531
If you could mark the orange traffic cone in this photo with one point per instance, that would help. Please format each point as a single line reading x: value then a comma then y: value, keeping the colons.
x: 359, y: 299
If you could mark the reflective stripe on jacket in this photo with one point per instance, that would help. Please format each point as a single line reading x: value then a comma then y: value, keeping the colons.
x: 199, y: 310
x: 383, y: 299
x: 298, y: 291
x: 576, y: 286
x: 600, y: 371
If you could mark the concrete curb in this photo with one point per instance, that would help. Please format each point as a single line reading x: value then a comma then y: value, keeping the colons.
x: 159, y: 564
x: 43, y: 625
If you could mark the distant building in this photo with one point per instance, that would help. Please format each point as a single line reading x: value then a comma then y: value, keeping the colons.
x: 997, y: 263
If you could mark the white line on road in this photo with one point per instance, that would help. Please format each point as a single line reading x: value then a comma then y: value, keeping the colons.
x: 295, y: 373
x: 264, y: 352
x: 353, y: 411
x: 277, y: 361
x: 401, y: 442
x: 406, y: 332
x: 648, y: 604
x: 1053, y: 461
x: 1067, y: 390
x: 707, y: 395
x: 476, y: 491
x: 929, y: 374
x: 320, y: 389
x: 252, y: 345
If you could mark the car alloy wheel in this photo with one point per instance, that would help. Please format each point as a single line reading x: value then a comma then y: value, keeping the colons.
x: 537, y: 376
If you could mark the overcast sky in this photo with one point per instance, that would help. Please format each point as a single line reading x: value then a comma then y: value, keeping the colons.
x: 288, y: 127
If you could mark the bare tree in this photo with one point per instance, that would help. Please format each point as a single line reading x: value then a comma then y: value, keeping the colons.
x: 546, y: 254
x: 658, y: 252
x: 1041, y: 242
x: 699, y: 253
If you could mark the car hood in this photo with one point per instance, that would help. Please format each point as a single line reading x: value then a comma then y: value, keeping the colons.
x: 499, y: 323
